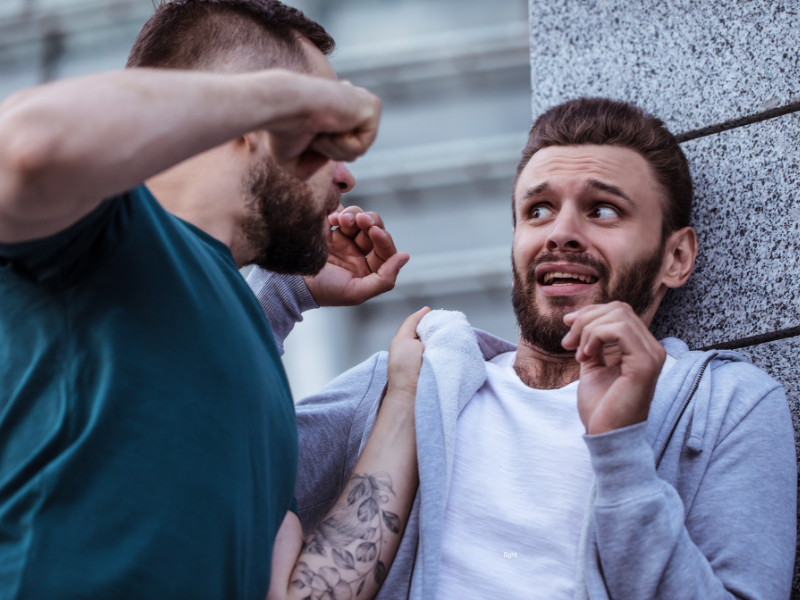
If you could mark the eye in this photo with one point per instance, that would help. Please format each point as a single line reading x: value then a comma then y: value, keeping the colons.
x: 604, y: 212
x: 541, y: 212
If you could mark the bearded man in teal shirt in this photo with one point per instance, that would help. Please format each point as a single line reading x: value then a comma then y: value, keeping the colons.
x: 148, y: 445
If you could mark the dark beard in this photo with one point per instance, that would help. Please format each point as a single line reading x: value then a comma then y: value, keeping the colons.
x: 634, y: 285
x: 285, y: 229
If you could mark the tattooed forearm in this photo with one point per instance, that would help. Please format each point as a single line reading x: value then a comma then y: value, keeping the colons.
x: 348, y: 554
x: 344, y: 552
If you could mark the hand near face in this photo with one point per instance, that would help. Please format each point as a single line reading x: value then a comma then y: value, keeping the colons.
x: 331, y: 120
x: 620, y: 364
x: 363, y: 261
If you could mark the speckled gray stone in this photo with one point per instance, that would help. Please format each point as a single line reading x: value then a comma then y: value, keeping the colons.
x: 747, y: 217
x: 779, y: 359
x: 691, y: 62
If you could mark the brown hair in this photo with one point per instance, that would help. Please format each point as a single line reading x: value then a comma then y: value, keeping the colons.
x: 207, y: 35
x: 613, y: 123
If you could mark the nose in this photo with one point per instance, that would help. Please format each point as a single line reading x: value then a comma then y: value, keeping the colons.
x: 566, y: 234
x: 343, y: 179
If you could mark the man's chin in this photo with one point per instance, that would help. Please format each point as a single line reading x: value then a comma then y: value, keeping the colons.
x: 568, y: 303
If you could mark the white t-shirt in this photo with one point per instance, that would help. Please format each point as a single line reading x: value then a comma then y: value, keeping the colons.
x: 520, y: 482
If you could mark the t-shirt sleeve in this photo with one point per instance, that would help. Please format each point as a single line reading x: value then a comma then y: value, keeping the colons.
x: 63, y: 259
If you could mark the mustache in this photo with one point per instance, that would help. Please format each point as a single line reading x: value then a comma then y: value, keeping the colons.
x: 569, y: 257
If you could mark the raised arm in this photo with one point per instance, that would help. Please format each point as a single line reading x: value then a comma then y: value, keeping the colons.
x: 349, y: 552
x: 66, y: 146
x: 736, y: 539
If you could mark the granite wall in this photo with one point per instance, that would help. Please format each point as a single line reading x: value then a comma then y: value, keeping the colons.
x: 725, y: 76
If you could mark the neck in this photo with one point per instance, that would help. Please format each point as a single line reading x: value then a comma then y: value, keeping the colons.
x: 202, y: 207
x: 544, y: 371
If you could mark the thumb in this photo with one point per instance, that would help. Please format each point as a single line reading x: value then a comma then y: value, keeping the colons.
x: 408, y: 330
x: 384, y: 278
x: 390, y: 269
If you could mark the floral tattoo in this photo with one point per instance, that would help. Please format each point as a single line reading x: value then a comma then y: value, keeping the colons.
x: 352, y: 536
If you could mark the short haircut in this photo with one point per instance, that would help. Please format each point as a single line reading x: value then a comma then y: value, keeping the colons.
x: 605, y: 122
x: 226, y: 35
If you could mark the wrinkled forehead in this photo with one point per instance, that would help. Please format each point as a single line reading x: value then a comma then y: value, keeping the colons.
x: 568, y: 169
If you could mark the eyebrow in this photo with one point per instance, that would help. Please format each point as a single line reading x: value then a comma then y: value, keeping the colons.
x: 535, y: 191
x: 594, y: 184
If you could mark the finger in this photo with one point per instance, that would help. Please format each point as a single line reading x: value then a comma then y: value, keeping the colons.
x: 590, y: 312
x: 364, y: 244
x: 383, y: 248
x: 333, y: 218
x: 599, y: 335
x: 348, y: 222
x: 356, y: 128
x: 369, y: 219
x: 338, y: 121
x: 408, y: 330
x: 345, y: 147
x: 384, y: 279
x: 581, y: 318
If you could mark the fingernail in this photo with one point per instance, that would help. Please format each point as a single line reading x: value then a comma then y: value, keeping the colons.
x: 371, y: 220
x: 335, y: 213
x: 404, y: 262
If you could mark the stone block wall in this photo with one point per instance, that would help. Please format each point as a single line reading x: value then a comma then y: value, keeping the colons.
x: 725, y: 77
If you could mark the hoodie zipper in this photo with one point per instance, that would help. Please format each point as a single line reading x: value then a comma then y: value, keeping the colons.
x: 683, y: 408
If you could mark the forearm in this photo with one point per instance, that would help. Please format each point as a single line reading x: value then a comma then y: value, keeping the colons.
x: 69, y: 144
x: 639, y: 525
x: 356, y: 541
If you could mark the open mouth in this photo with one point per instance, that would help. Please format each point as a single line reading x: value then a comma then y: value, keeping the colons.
x: 556, y: 278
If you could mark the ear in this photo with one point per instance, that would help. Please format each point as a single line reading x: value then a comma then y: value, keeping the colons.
x: 680, y: 252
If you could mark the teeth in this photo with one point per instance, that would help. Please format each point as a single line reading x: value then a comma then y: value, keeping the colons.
x: 548, y: 277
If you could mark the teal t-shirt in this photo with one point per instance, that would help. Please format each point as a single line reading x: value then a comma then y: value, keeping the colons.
x: 148, y: 445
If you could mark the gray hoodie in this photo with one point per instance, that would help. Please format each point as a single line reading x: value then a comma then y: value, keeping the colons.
x: 697, y: 502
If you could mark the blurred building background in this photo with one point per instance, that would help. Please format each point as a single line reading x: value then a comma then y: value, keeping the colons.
x: 454, y: 76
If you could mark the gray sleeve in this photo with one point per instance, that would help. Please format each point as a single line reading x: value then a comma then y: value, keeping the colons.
x: 283, y: 298
x: 331, y: 425
x: 734, y: 539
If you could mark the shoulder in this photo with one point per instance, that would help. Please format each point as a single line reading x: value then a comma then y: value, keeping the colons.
x: 731, y: 374
x: 748, y: 394
x: 335, y: 417
x: 734, y: 376
x: 351, y: 388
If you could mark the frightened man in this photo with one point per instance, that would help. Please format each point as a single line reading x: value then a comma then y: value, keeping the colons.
x: 589, y: 460
x: 148, y: 445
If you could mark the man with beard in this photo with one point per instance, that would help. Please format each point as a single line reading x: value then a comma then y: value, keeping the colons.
x: 148, y: 446
x: 589, y: 460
